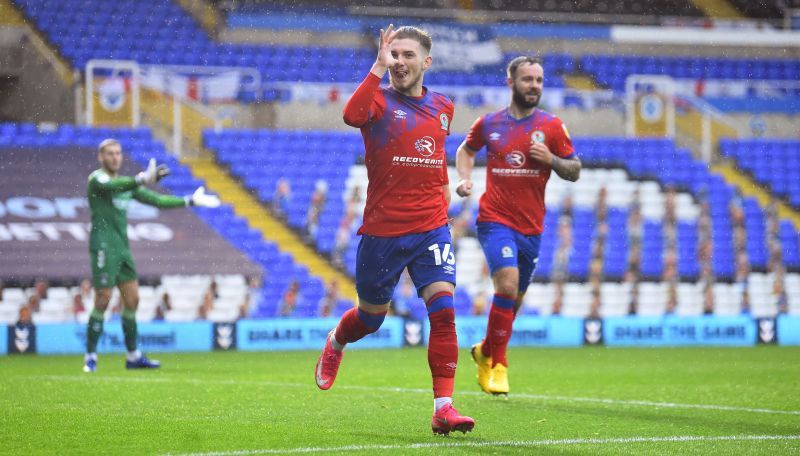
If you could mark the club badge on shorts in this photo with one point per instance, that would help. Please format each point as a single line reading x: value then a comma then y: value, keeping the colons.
x: 444, y: 120
x: 538, y: 136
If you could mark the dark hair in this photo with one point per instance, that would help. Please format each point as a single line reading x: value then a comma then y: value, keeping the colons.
x: 516, y: 62
x: 417, y: 34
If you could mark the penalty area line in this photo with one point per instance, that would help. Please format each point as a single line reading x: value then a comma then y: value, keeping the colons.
x: 505, y: 443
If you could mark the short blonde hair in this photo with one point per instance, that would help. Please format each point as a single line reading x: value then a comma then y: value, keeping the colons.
x: 417, y: 34
x: 105, y: 143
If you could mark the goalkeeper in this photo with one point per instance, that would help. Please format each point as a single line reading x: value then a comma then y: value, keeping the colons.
x: 112, y: 264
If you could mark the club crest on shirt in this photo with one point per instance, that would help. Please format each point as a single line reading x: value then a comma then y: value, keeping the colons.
x: 444, y: 120
x: 425, y: 146
x: 538, y: 136
x: 515, y: 159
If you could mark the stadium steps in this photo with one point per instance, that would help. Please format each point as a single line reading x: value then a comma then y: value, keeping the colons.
x: 749, y: 188
x: 204, y: 13
x: 580, y: 82
x: 718, y: 9
x: 157, y: 111
x: 11, y: 15
x: 248, y: 207
x: 690, y: 126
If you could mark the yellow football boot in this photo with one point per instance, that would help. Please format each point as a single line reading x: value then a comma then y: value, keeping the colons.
x: 498, y: 380
x: 484, y: 365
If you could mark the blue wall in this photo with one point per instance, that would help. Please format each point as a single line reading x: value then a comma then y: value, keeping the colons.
x: 310, y: 334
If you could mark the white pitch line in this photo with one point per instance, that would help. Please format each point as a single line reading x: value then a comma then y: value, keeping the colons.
x: 390, y: 389
x: 506, y: 443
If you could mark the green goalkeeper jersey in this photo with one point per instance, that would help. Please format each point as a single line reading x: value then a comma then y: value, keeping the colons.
x: 109, y: 198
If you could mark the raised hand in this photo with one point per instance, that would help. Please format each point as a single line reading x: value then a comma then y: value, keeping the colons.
x: 384, y: 61
x: 148, y: 176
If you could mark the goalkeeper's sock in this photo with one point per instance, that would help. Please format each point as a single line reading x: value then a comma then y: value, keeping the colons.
x: 133, y: 356
x: 354, y: 325
x: 498, y: 332
x: 93, y: 330
x: 129, y: 329
x: 442, y: 344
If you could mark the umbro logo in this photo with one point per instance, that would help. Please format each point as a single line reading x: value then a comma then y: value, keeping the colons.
x: 494, y: 136
x: 399, y: 114
x: 449, y: 269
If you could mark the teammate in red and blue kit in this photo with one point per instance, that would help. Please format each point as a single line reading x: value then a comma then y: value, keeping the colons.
x: 523, y: 144
x: 405, y: 218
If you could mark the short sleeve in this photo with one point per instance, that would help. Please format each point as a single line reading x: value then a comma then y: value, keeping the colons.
x: 452, y: 112
x: 475, y: 139
x: 560, y: 141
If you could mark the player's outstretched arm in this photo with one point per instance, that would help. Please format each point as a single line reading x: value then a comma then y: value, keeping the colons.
x: 359, y: 108
x: 151, y: 198
x: 199, y: 198
x: 465, y: 162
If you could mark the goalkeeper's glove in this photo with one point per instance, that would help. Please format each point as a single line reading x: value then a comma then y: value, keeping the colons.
x: 162, y: 171
x: 152, y: 173
x: 148, y: 176
x: 201, y: 199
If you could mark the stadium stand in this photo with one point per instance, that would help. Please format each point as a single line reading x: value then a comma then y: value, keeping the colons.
x: 147, y: 40
x: 773, y: 163
x: 279, y: 269
x: 669, y: 227
x: 656, y: 168
x: 766, y: 9
x: 627, y: 7
x: 612, y: 70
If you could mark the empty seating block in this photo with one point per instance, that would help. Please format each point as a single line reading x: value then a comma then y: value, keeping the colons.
x: 773, y: 163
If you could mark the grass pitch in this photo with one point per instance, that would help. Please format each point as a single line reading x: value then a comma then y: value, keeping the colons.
x: 562, y: 401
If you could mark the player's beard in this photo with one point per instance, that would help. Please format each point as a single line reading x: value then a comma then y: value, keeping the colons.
x: 519, y: 99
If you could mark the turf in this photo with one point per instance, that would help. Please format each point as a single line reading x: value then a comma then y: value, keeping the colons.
x: 254, y: 403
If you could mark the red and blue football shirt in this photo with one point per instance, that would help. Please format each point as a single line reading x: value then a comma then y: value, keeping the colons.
x: 406, y: 165
x: 515, y: 183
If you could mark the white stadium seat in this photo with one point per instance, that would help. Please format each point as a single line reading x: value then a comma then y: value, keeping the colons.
x: 690, y: 300
x: 577, y: 300
x: 652, y: 299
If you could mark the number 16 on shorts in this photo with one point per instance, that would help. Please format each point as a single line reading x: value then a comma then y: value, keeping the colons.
x: 443, y: 255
